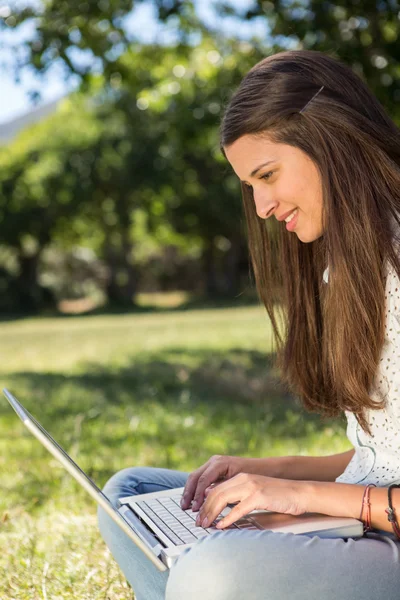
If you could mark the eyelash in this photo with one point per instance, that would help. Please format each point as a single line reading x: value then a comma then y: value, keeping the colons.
x: 265, y: 177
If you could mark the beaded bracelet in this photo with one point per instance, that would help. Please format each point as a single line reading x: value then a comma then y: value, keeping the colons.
x: 367, y: 503
x: 391, y: 512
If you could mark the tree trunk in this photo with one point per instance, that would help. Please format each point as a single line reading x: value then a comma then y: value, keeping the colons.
x: 231, y: 269
x: 121, y: 286
x: 31, y: 295
x: 210, y: 274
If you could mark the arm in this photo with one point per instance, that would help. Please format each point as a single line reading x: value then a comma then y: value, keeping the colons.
x: 344, y: 500
x: 251, y: 492
x: 315, y: 468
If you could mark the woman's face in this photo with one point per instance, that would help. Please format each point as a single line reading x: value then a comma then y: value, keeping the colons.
x: 291, y: 181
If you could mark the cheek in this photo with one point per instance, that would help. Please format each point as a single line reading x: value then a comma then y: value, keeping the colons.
x: 290, y: 191
x: 298, y: 188
x: 296, y: 193
x: 310, y: 197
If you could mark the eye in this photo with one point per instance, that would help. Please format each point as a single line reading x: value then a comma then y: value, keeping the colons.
x: 267, y: 175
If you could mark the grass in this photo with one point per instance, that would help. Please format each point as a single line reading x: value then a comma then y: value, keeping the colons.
x: 167, y: 388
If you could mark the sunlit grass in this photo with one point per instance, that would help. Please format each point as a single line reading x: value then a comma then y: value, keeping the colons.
x: 163, y: 389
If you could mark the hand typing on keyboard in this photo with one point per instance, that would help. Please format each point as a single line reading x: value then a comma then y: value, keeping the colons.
x: 177, y: 524
x: 215, y: 471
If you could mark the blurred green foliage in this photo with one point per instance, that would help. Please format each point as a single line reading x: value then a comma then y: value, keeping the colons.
x: 138, y: 158
x: 129, y: 168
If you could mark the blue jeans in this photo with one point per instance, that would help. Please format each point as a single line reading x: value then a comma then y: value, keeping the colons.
x: 252, y: 565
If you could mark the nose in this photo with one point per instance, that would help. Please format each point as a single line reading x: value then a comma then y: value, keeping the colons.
x: 265, y: 209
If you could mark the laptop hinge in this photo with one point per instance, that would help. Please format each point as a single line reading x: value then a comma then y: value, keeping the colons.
x: 140, y: 529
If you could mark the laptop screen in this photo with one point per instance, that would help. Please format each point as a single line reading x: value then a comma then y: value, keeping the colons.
x: 22, y: 412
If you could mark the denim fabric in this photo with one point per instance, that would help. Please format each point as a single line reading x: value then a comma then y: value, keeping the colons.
x: 252, y: 565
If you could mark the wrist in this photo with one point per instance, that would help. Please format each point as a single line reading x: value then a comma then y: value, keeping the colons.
x: 319, y: 497
x: 271, y: 466
x: 334, y: 499
x: 309, y: 497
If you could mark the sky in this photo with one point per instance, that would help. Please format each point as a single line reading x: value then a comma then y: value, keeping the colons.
x: 14, y: 99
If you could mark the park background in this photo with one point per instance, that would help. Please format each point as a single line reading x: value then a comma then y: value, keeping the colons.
x: 130, y: 326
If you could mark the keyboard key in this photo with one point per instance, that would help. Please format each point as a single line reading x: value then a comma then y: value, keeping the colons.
x: 177, y: 524
x: 187, y: 537
x: 199, y: 532
x: 164, y: 528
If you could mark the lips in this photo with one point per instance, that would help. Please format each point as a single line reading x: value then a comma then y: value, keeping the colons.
x: 292, y: 224
x: 283, y: 217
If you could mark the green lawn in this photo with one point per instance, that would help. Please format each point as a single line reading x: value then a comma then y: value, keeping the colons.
x: 167, y: 388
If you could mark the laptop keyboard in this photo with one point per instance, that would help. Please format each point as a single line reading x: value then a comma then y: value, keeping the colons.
x: 177, y: 524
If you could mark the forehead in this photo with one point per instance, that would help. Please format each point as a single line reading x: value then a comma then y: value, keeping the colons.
x: 248, y: 152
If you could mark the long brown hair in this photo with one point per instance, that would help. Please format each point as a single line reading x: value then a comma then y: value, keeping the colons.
x: 333, y: 335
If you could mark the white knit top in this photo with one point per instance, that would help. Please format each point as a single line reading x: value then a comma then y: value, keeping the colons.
x: 377, y: 457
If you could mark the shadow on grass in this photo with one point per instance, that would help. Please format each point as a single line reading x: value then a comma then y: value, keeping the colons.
x: 170, y: 409
x: 195, y: 303
x: 211, y: 379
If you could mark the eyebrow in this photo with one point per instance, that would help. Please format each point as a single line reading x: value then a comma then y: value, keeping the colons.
x: 261, y: 166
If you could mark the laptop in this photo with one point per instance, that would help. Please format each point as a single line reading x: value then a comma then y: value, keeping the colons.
x: 156, y: 523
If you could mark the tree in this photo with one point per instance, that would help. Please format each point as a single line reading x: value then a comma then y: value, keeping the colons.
x: 40, y: 184
x: 155, y: 112
x: 83, y: 37
x: 364, y: 35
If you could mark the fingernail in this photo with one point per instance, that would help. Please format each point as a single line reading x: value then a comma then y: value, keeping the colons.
x: 205, y: 522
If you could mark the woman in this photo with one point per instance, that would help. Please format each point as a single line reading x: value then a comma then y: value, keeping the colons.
x: 319, y: 164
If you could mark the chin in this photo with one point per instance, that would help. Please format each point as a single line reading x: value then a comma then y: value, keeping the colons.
x: 309, y: 237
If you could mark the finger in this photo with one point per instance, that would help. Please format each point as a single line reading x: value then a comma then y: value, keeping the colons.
x: 226, y: 484
x: 218, y: 499
x: 210, y: 488
x: 209, y: 476
x: 196, y: 484
x: 242, y: 509
x: 190, y: 487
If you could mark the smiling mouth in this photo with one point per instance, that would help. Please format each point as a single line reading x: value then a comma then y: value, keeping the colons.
x: 291, y: 216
